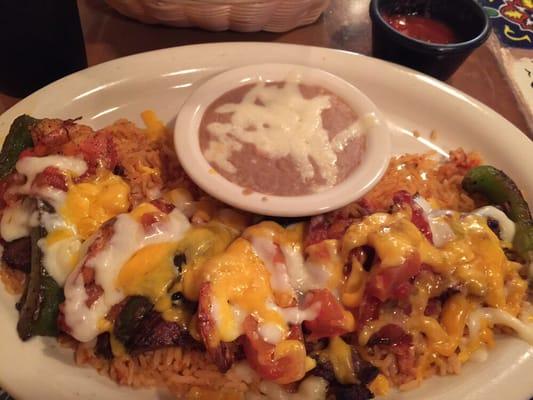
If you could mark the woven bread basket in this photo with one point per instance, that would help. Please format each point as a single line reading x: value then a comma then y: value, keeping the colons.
x: 221, y: 15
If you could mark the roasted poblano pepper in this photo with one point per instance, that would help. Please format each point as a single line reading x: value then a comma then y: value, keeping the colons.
x: 500, y: 190
x: 18, y: 139
x: 39, y: 305
x: 41, y: 299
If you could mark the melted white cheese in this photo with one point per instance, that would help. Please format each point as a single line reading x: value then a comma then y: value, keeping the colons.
x: 480, y: 355
x: 279, y: 277
x: 57, y: 257
x: 358, y: 128
x: 53, y: 221
x: 507, y: 227
x: 82, y: 320
x: 295, y: 315
x: 271, y: 333
x: 32, y: 166
x: 295, y: 275
x: 284, y: 124
x: 442, y: 232
x: 304, y: 275
x: 423, y: 204
x: 129, y: 237
x: 298, y: 274
x: 17, y: 220
x: 233, y: 325
x: 496, y: 316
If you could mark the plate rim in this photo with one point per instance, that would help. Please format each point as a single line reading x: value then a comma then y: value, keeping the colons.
x: 441, y: 85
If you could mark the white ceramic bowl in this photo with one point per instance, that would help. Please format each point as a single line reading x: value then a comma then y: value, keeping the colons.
x: 186, y: 138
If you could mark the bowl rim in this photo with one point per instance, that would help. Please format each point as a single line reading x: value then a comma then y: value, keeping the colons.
x: 434, y: 48
x: 373, y: 165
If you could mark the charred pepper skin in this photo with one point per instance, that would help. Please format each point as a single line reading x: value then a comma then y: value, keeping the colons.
x: 39, y: 305
x: 18, y: 139
x: 40, y: 302
x: 499, y: 189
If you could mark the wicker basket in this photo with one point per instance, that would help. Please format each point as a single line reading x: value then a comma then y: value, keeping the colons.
x: 221, y: 15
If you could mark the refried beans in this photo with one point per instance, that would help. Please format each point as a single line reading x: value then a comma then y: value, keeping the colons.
x: 283, y: 138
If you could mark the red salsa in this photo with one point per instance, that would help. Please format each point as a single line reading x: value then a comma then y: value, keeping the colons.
x: 422, y: 28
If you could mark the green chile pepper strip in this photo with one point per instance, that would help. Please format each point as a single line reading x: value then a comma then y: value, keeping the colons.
x: 17, y: 140
x: 499, y: 189
x: 41, y: 300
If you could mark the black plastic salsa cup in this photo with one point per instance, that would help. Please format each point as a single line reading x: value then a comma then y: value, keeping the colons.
x: 466, y: 17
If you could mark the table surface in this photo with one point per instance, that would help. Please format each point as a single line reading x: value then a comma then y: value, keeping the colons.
x: 345, y: 25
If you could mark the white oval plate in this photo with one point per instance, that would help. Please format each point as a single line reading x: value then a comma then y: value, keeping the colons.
x: 161, y: 80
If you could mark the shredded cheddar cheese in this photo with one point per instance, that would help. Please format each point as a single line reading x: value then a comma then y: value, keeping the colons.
x: 89, y: 204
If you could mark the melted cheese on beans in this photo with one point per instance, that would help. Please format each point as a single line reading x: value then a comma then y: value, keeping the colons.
x: 286, y: 124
